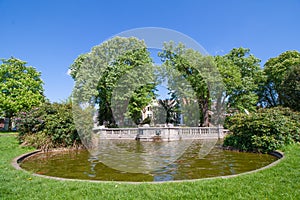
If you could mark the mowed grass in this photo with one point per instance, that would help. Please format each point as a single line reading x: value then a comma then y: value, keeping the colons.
x: 7, y: 133
x: 278, y: 182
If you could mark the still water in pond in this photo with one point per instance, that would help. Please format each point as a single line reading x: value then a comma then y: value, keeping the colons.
x: 120, y: 160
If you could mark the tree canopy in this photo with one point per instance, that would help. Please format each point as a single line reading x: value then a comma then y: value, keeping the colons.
x: 290, y: 88
x: 278, y: 73
x: 21, y: 87
x: 195, y: 79
x: 119, y: 77
x: 241, y: 75
x: 114, y: 74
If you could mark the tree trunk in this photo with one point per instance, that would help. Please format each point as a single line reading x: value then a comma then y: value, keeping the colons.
x: 9, y: 125
x: 205, y: 115
x: 204, y: 106
x: 9, y: 116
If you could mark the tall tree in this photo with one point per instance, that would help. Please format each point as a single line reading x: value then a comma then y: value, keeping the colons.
x: 290, y: 88
x: 197, y: 70
x: 276, y: 70
x: 110, y: 75
x: 21, y: 87
x: 241, y: 74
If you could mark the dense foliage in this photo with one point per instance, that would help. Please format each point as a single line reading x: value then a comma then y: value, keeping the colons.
x: 189, y: 68
x: 281, y: 84
x: 48, y: 126
x: 290, y: 88
x: 263, y: 131
x: 241, y: 75
x: 21, y: 87
x: 114, y: 74
x: 220, y: 84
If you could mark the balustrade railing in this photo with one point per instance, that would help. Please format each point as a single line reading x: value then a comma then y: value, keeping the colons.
x: 165, y: 133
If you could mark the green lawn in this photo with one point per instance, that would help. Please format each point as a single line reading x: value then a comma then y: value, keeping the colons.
x: 279, y: 182
x: 5, y: 133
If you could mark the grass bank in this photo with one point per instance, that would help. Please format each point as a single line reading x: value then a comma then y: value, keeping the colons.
x: 279, y: 182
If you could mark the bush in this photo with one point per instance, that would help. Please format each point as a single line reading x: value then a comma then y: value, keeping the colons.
x: 39, y: 140
x: 264, y: 131
x: 48, y: 126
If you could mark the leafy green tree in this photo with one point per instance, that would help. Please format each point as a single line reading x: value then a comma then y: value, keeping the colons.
x: 132, y: 84
x: 21, y: 87
x: 199, y: 73
x: 277, y: 70
x: 290, y: 88
x: 112, y: 75
x: 139, y: 100
x: 241, y: 75
x: 232, y: 80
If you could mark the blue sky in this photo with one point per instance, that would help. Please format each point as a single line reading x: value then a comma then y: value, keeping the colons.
x: 49, y: 35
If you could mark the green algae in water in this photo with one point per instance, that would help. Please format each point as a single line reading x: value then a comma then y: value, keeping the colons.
x: 171, y: 165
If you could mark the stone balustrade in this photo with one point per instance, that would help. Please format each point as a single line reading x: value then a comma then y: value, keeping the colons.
x: 161, y: 133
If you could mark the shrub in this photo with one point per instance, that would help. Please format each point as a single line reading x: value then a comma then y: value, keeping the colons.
x: 48, y: 126
x: 38, y: 140
x: 263, y: 131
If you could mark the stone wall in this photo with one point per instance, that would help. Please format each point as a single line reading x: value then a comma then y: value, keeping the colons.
x: 163, y: 134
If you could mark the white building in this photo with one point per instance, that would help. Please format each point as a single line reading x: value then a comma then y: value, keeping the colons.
x: 148, y: 111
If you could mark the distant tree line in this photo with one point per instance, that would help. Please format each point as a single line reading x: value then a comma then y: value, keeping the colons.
x: 246, y: 85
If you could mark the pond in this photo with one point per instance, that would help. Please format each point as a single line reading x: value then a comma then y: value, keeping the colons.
x: 126, y: 160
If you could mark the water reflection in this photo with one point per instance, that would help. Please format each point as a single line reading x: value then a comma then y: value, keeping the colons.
x: 144, y: 157
x: 122, y: 160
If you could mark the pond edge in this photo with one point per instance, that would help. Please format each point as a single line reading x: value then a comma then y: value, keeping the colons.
x: 15, y: 163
